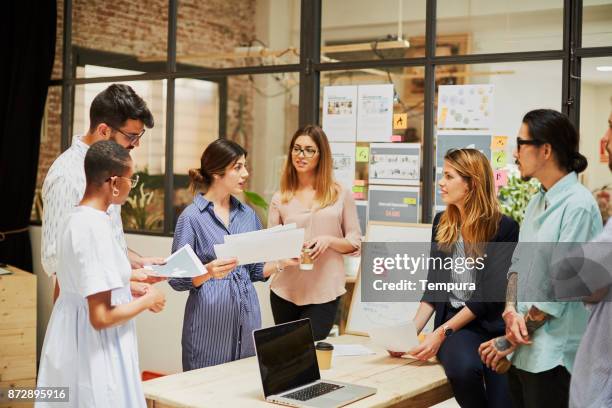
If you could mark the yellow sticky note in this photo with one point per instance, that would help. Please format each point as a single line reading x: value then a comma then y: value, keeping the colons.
x: 363, y: 154
x: 499, y: 142
x: 400, y: 121
x: 500, y: 159
x: 410, y: 200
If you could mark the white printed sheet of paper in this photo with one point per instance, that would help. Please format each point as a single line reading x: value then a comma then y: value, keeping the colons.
x: 375, y: 113
x: 265, y: 248
x: 184, y: 263
x: 340, y: 113
x: 395, y: 163
x: 343, y: 158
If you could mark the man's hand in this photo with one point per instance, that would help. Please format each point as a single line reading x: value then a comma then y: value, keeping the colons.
x: 493, y: 351
x: 139, y: 262
x: 220, y: 268
x: 516, y: 330
x: 142, y: 275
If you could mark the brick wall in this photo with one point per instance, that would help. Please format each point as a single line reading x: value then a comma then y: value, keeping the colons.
x: 139, y: 28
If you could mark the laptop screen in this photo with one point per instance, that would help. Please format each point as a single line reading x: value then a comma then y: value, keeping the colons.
x: 287, y: 357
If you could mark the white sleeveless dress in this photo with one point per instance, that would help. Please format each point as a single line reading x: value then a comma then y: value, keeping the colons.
x: 99, y: 366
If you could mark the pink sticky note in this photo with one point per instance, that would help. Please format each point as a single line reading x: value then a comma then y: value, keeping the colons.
x: 396, y: 138
x: 501, y: 177
x: 359, y: 196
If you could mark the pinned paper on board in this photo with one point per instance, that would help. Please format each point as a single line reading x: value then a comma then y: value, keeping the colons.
x: 343, y: 161
x: 499, y: 142
x: 400, y: 120
x: 501, y: 178
x: 500, y: 159
x: 363, y: 154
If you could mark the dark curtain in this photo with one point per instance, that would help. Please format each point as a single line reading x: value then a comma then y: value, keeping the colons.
x: 27, y: 35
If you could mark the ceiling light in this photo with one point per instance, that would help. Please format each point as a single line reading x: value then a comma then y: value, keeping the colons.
x: 604, y: 68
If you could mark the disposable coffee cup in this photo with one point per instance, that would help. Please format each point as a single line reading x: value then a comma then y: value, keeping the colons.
x: 306, y: 262
x: 324, y: 355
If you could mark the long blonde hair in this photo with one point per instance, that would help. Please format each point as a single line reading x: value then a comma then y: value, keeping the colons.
x: 481, y: 208
x: 326, y: 188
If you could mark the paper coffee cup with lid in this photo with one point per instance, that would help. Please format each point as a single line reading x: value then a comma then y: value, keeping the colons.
x: 324, y: 354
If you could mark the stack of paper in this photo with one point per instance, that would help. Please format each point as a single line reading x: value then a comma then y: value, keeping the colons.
x: 184, y: 263
x: 280, y: 242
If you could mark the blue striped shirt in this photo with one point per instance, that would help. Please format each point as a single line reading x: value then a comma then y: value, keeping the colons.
x: 221, y: 314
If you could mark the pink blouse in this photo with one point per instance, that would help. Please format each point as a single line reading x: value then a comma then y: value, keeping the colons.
x: 326, y: 281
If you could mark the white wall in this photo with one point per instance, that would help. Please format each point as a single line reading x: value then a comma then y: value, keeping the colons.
x: 159, y: 335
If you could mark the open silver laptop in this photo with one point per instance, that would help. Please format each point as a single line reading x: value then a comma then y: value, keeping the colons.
x: 289, y: 371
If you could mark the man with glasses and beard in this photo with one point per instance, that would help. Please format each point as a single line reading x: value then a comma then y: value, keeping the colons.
x: 118, y: 114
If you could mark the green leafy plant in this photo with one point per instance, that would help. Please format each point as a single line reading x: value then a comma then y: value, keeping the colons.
x: 515, y: 196
x: 139, y: 211
x: 258, y: 201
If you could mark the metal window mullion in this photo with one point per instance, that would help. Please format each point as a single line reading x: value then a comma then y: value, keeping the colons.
x: 310, y: 55
x: 67, y: 76
x: 169, y: 148
x: 428, y: 126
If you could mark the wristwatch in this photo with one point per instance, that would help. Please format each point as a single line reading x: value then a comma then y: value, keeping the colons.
x: 447, y: 330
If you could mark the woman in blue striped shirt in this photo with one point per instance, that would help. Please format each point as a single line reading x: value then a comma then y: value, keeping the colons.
x: 222, y: 308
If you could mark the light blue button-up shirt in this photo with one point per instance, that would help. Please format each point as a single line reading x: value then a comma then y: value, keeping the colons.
x: 567, y: 212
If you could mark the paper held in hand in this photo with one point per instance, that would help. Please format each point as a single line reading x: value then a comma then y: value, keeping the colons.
x: 262, y: 246
x: 184, y: 263
x: 395, y: 338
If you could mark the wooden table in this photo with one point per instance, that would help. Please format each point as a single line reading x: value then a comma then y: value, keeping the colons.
x: 401, y: 382
x: 17, y: 331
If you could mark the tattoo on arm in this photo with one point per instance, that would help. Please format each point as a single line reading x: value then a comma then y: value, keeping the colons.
x: 502, y: 343
x: 511, y: 290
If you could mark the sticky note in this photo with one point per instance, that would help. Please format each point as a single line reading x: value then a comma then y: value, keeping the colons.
x: 397, y: 138
x: 410, y: 200
x: 499, y: 142
x: 363, y: 154
x: 359, y: 196
x: 501, y: 178
x: 359, y: 189
x: 359, y: 182
x: 500, y: 159
x: 400, y: 120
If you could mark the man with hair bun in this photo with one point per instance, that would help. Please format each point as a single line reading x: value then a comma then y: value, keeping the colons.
x: 544, y: 342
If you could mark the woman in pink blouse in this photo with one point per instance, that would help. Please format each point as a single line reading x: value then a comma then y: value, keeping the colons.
x: 310, y: 198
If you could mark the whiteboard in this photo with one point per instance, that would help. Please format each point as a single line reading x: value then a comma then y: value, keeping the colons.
x: 364, y: 316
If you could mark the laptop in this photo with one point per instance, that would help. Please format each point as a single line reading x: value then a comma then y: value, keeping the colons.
x: 289, y: 371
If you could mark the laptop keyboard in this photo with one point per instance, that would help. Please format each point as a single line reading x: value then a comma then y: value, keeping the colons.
x: 313, y: 391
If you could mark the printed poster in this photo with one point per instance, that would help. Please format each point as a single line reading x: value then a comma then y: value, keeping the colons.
x: 375, y: 113
x: 343, y: 158
x: 395, y: 163
x: 340, y: 113
x: 465, y: 106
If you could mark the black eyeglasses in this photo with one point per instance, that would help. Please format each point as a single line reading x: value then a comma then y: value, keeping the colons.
x: 131, y: 137
x: 307, y: 152
x: 133, y: 180
x: 520, y: 142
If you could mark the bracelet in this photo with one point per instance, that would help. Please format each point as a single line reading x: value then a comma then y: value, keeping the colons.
x: 279, y: 269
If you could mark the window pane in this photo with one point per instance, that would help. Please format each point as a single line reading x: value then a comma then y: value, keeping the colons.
x: 237, y: 33
x: 357, y: 30
x: 494, y: 26
x: 50, y: 144
x: 144, y: 210
x: 129, y: 33
x: 595, y: 127
x: 196, y: 125
x: 597, y: 23
x: 513, y: 96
